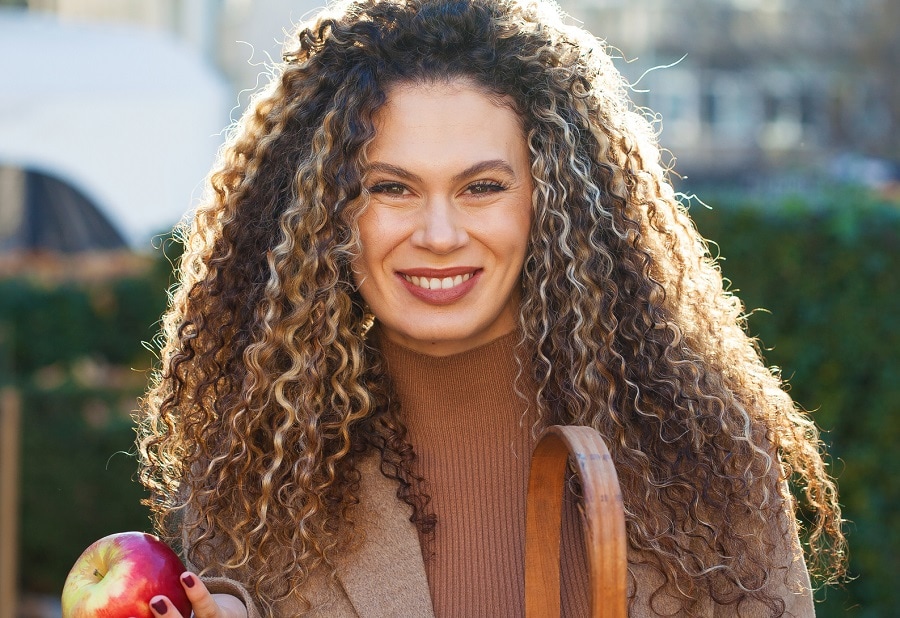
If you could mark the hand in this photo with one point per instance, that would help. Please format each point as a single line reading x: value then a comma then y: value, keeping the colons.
x: 205, y: 605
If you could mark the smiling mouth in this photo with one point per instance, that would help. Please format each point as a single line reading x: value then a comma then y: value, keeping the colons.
x: 435, y: 283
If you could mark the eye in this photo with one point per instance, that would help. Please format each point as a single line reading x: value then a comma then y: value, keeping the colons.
x: 389, y: 188
x: 486, y: 186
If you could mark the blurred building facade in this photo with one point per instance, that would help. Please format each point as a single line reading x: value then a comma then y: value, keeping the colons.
x: 748, y: 84
x: 760, y: 84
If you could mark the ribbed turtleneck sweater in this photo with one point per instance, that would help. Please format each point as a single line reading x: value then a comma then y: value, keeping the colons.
x: 473, y: 439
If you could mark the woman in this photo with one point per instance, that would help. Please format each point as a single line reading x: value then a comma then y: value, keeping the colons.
x: 470, y: 175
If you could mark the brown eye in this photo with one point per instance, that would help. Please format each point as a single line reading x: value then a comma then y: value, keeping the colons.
x: 388, y: 188
x: 486, y: 187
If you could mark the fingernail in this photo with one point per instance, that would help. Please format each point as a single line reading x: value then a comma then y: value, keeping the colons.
x: 188, y: 580
x: 159, y: 606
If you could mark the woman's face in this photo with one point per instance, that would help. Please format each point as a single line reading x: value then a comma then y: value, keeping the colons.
x: 446, y: 229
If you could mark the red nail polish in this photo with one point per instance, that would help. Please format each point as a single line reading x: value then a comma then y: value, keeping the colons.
x: 159, y: 606
x: 188, y: 580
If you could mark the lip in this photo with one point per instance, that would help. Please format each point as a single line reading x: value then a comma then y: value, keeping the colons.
x: 438, y: 273
x: 441, y: 296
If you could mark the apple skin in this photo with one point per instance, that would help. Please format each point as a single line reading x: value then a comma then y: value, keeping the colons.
x: 116, y: 576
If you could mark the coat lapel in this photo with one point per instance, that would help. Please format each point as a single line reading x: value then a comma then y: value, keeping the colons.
x: 385, y: 574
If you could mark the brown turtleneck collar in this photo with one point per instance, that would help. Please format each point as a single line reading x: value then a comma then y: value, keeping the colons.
x: 473, y: 436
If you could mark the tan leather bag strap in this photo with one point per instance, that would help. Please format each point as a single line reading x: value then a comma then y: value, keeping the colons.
x: 604, y: 522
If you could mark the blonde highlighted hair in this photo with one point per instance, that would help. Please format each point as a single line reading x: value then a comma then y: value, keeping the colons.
x: 268, y: 396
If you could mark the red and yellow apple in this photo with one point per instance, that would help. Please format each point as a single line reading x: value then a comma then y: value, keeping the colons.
x: 118, y: 575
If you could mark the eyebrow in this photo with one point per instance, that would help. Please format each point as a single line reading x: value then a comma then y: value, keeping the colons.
x: 491, y: 165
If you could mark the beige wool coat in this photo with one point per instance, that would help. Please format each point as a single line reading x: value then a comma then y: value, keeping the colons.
x: 385, y: 575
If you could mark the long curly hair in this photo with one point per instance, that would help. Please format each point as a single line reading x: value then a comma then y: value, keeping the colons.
x: 268, y: 396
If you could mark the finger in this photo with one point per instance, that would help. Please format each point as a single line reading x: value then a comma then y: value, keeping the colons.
x: 161, y: 606
x: 200, y: 598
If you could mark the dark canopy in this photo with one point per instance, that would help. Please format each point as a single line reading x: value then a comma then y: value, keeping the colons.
x: 39, y: 212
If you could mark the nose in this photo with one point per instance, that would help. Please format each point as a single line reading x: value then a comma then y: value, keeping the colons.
x: 440, y: 229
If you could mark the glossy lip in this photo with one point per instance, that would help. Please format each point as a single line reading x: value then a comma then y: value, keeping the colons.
x: 440, y: 297
x: 440, y: 273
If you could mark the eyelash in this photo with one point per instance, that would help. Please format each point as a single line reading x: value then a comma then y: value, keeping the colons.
x: 386, y: 187
x: 480, y: 187
x: 487, y: 186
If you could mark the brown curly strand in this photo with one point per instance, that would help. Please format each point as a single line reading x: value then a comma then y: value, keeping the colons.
x: 268, y: 397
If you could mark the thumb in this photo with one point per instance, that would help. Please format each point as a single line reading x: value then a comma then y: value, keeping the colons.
x: 201, y: 600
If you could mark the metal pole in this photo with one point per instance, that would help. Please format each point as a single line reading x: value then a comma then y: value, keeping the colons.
x: 10, y: 420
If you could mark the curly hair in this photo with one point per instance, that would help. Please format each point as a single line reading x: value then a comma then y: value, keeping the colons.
x: 268, y: 395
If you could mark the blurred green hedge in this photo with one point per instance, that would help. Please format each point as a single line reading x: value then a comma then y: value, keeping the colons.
x: 824, y: 268
x: 819, y: 274
x: 78, y: 479
x: 73, y: 349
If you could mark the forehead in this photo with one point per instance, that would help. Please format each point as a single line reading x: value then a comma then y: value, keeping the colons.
x: 443, y: 119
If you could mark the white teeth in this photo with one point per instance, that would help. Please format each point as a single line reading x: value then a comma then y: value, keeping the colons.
x: 433, y: 283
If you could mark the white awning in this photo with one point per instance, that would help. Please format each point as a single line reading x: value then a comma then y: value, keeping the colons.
x: 130, y: 117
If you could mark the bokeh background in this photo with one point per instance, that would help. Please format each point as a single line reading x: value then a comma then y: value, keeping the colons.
x: 781, y: 119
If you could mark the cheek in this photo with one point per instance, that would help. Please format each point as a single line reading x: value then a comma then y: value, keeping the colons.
x: 372, y: 247
x: 521, y: 237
